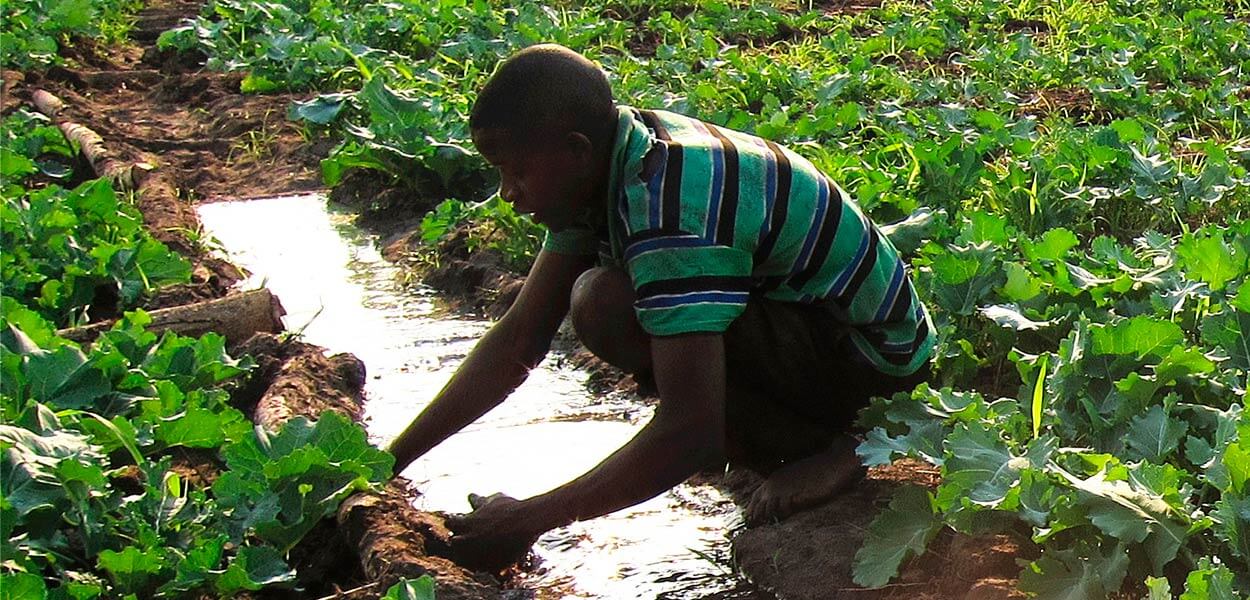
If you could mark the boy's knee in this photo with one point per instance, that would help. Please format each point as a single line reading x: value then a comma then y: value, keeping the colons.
x: 601, y: 308
x: 600, y: 295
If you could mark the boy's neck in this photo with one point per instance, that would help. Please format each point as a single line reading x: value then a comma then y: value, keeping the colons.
x: 597, y: 211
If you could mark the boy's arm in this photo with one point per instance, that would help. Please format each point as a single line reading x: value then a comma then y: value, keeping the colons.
x: 501, y: 360
x: 686, y: 434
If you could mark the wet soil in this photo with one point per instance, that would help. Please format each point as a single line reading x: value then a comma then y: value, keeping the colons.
x: 163, y: 109
x: 204, y: 139
x: 376, y: 539
x: 809, y: 555
x: 310, y: 382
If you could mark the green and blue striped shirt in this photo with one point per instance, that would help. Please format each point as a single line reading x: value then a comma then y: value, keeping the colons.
x: 702, y: 217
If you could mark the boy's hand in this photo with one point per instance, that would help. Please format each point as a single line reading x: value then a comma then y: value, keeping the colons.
x: 496, y: 534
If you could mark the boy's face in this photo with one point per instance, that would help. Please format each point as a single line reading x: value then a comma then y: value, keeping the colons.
x: 545, y: 179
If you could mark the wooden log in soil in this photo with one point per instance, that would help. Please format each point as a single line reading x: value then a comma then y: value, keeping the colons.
x: 126, y: 176
x: 237, y: 317
x: 294, y: 378
x: 394, y: 540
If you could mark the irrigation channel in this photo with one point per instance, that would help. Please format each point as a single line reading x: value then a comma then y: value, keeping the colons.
x: 343, y: 295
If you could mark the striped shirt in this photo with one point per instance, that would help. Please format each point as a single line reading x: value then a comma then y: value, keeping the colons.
x: 702, y: 217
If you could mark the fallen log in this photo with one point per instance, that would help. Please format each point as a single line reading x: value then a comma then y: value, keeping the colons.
x: 237, y: 317
x: 310, y: 384
x: 91, y: 145
x: 395, y: 540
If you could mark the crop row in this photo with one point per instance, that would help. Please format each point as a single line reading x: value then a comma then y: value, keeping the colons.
x: 36, y: 30
x: 1073, y: 177
x: 97, y: 499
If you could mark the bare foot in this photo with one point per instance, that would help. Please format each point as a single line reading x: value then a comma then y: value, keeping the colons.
x: 806, y: 482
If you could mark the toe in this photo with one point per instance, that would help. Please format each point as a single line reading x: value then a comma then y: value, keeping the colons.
x: 757, y: 508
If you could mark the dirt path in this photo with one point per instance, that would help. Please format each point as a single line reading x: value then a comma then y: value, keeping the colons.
x: 164, y: 109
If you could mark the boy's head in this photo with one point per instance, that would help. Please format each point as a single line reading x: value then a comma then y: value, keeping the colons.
x: 546, y: 119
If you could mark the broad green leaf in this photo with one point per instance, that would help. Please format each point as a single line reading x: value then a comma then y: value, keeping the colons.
x: 1208, y: 582
x: 1110, y: 501
x: 1139, y: 336
x: 14, y: 165
x: 1182, y: 362
x: 982, y: 226
x: 1053, y: 245
x: 132, y: 568
x: 1129, y: 130
x: 1153, y: 168
x: 253, y: 568
x: 64, y: 378
x: 923, y: 441
x: 1230, y: 330
x: 1208, y: 258
x: 202, y: 428
x: 1067, y: 575
x: 72, y: 15
x: 22, y: 586
x: 198, y: 565
x: 258, y: 84
x: 1020, y: 284
x: 1010, y: 317
x: 1237, y: 462
x: 1155, y: 436
x: 1232, y: 516
x: 412, y: 589
x: 322, y: 110
x: 964, y: 277
x: 1158, y: 588
x: 980, y: 465
x: 1241, y: 300
x: 901, y: 530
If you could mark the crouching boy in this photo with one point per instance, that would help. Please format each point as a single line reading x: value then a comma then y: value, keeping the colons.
x: 747, y: 285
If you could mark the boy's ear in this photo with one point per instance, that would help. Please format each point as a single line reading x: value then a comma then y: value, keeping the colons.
x: 580, y: 146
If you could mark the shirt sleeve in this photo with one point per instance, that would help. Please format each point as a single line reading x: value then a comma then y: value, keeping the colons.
x: 685, y: 284
x: 574, y: 241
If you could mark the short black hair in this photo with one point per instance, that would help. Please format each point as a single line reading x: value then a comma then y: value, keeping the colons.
x: 547, y: 89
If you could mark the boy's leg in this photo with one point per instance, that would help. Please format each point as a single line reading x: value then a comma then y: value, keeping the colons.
x: 601, y: 308
x: 798, y: 391
x: 792, y: 392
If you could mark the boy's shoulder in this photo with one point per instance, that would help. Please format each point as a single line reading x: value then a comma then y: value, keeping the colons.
x: 702, y: 141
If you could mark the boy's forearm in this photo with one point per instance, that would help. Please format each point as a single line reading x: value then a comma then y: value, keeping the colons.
x: 495, y: 366
x: 685, y: 435
x: 658, y: 458
x: 500, y: 361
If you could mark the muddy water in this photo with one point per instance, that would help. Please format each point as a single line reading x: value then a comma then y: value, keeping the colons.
x: 338, y: 290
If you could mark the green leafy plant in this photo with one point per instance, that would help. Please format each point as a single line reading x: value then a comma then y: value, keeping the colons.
x: 80, y: 424
x: 34, y: 30
x: 70, y: 254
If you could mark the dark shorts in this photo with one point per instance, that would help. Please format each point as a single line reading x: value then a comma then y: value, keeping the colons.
x: 794, y: 383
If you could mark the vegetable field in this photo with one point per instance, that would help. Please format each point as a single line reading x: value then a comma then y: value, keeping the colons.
x: 128, y: 469
x: 1070, y: 181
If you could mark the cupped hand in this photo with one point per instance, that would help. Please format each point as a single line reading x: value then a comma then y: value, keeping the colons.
x: 495, y: 535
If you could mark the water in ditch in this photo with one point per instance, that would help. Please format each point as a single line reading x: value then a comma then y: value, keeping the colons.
x: 341, y: 294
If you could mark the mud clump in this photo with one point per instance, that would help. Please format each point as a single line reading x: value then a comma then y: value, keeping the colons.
x: 299, y: 374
